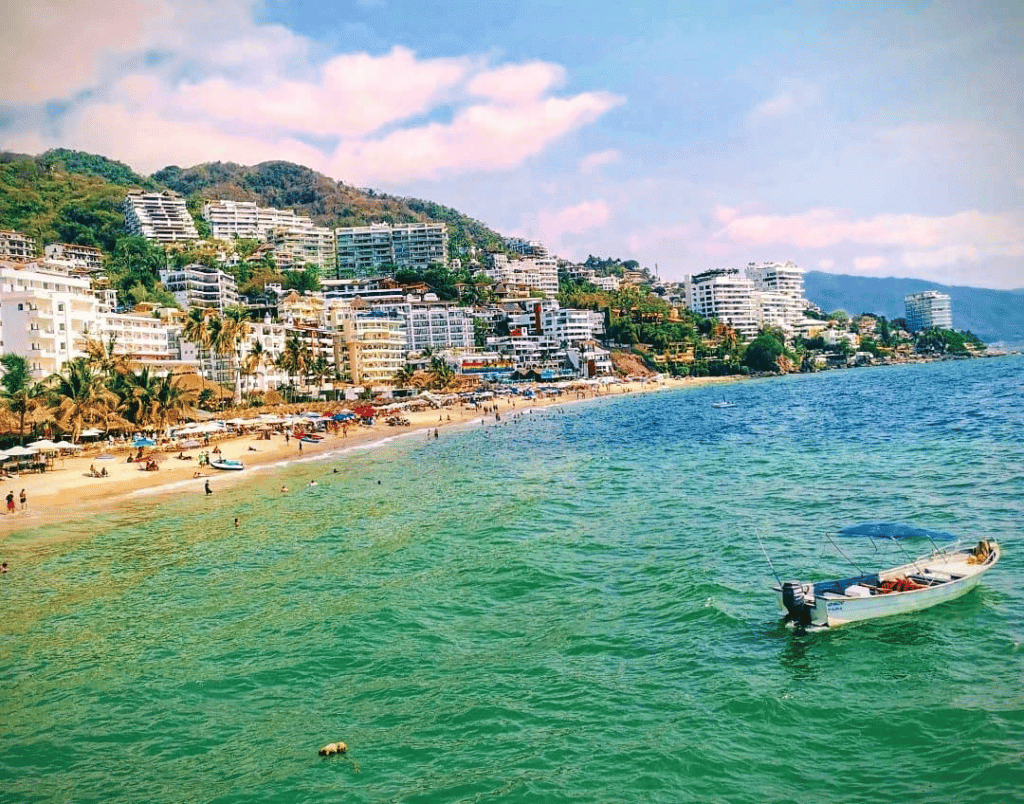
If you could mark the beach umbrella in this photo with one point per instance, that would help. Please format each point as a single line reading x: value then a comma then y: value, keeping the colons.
x: 44, y: 445
x: 20, y: 452
x: 67, y: 445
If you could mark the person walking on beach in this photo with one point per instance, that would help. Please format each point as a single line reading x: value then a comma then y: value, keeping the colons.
x: 24, y: 500
x: 10, y: 501
x: 208, y: 489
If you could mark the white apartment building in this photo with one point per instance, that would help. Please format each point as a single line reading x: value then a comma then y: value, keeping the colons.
x: 526, y: 248
x: 538, y: 273
x: 16, y: 247
x: 928, y: 310
x: 162, y: 217
x: 562, y: 326
x: 368, y: 250
x: 87, y: 258
x: 721, y: 293
x: 45, y: 317
x: 233, y: 220
x: 201, y: 286
x: 295, y: 246
x: 439, y: 325
x: 264, y: 377
x: 776, y: 277
x: 145, y: 338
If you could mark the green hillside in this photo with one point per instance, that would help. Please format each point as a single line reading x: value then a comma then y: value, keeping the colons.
x: 75, y: 197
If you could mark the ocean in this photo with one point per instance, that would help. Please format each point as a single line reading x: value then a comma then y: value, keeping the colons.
x: 569, y: 605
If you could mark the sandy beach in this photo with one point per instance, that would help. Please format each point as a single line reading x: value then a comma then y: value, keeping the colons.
x: 69, y: 492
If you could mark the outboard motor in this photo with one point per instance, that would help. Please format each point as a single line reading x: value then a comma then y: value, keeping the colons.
x: 796, y: 603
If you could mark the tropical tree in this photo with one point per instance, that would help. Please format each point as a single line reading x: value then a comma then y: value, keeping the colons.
x: 320, y: 369
x: 105, y: 358
x: 404, y: 376
x: 79, y: 396
x: 256, y: 358
x: 19, y: 394
x: 233, y: 329
x: 197, y: 331
x: 295, y: 357
x: 441, y: 374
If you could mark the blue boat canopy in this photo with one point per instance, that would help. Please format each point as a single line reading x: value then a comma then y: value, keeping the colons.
x: 895, y: 530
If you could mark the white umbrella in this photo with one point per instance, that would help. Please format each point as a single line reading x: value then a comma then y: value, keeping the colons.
x: 44, y: 445
x: 92, y: 432
x: 68, y: 445
x: 19, y: 452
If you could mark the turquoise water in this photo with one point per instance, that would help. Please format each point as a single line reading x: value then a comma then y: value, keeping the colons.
x: 568, y: 606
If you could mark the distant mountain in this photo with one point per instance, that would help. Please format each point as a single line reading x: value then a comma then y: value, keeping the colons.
x: 76, y: 197
x: 995, y: 316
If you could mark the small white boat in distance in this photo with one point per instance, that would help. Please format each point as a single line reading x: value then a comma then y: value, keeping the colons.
x: 227, y: 464
x: 723, y: 404
x: 940, y: 576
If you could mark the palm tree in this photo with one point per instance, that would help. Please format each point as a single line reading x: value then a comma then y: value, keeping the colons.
x: 79, y: 397
x: 104, y: 357
x: 235, y: 328
x: 294, y: 358
x: 197, y: 331
x: 19, y: 394
x: 441, y: 374
x: 404, y: 376
x: 320, y: 368
x: 256, y: 358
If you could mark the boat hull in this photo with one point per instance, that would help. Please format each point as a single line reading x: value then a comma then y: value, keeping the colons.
x: 949, y: 574
x: 227, y: 467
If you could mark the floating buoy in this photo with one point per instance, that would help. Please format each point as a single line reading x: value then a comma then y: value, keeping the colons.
x: 333, y: 748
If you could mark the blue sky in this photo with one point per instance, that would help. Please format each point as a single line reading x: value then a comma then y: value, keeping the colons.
x: 878, y: 139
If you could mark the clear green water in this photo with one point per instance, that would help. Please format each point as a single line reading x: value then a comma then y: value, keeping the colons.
x: 569, y: 606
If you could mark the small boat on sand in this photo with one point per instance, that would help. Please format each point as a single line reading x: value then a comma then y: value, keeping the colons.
x: 227, y: 464
x: 944, y: 574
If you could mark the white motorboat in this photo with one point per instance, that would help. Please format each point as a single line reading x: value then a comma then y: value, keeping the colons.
x: 937, y: 577
x: 226, y: 464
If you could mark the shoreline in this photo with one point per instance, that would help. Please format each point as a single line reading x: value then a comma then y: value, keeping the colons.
x: 68, y: 494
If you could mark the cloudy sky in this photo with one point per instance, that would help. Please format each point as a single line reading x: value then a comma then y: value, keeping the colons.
x: 879, y: 139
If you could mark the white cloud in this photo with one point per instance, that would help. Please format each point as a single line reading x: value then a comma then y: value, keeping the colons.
x: 558, y: 224
x: 870, y: 263
x: 792, y: 97
x: 922, y: 239
x: 593, y: 161
x: 517, y: 83
x: 156, y: 82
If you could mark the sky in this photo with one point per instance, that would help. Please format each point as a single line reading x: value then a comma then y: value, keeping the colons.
x: 863, y: 138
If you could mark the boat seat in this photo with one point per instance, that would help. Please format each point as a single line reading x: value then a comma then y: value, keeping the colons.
x: 931, y: 578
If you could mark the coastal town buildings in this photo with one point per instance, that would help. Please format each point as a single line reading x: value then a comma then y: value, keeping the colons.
x: 160, y: 216
x: 235, y: 220
x: 296, y: 246
x: 928, y: 310
x: 199, y: 285
x: 383, y: 248
x: 16, y: 247
x: 723, y: 294
x: 88, y: 258
x: 534, y: 273
x: 374, y: 347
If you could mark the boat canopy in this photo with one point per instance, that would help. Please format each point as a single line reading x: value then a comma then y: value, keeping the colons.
x: 895, y: 530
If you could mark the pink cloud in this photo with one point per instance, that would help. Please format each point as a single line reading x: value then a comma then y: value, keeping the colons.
x: 967, y: 235
x: 517, y: 83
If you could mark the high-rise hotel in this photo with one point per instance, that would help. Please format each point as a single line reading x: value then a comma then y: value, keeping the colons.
x: 928, y: 310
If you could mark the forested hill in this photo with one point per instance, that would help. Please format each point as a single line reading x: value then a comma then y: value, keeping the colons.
x: 74, y: 197
x: 995, y: 316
